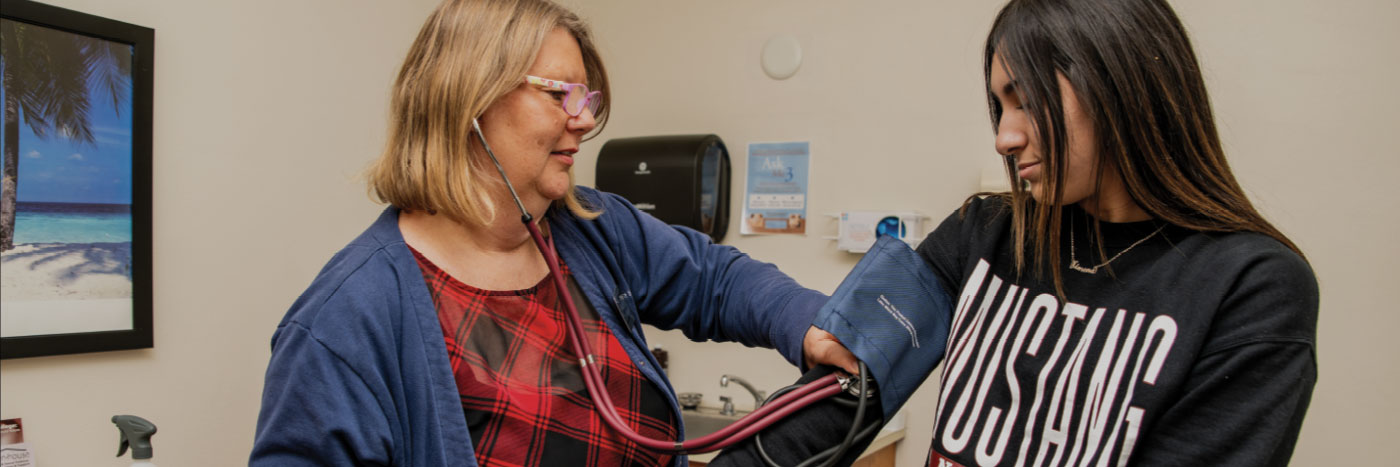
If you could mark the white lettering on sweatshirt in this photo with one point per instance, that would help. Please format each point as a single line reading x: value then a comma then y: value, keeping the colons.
x: 1070, y: 399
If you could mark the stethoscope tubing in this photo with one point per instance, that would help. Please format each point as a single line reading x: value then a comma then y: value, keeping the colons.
x: 741, y: 429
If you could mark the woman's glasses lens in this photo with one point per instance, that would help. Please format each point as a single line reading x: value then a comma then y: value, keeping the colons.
x: 580, y: 98
x: 594, y: 102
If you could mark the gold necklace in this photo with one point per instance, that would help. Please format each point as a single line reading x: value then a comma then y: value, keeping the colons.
x: 1074, y: 262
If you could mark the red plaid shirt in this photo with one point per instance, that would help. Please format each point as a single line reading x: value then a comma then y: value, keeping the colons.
x: 521, y: 386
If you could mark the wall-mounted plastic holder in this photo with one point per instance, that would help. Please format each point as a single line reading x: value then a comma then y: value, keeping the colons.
x: 857, y: 230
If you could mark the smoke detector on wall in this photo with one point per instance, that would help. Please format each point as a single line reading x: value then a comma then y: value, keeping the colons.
x: 781, y: 57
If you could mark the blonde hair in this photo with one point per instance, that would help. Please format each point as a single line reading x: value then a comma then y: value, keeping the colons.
x: 468, y: 54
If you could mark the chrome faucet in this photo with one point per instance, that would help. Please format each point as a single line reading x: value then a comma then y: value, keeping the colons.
x: 757, y: 395
x: 728, y: 408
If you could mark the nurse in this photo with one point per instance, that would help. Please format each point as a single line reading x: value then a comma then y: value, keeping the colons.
x: 436, y: 337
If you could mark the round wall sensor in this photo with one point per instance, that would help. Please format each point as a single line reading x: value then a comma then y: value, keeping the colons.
x: 781, y: 57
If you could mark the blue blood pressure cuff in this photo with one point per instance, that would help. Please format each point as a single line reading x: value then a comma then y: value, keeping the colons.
x: 893, y: 314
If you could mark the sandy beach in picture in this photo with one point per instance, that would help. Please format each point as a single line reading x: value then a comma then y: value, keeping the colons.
x: 50, y: 288
x: 66, y: 233
x: 66, y: 271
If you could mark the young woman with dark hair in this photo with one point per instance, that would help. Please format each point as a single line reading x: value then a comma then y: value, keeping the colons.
x: 1124, y: 303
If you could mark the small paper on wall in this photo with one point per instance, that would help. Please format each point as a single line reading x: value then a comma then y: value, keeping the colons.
x: 775, y: 196
x: 14, y: 452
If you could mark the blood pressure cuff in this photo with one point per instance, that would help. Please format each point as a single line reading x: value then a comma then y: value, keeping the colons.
x: 893, y: 314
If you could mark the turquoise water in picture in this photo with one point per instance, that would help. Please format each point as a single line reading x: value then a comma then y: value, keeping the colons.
x: 72, y: 223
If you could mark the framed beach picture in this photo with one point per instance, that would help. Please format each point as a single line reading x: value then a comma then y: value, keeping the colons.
x: 75, y: 203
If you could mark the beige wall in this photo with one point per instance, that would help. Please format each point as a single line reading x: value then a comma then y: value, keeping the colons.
x: 266, y: 111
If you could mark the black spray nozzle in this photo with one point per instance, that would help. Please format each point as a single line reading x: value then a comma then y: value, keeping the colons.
x: 136, y: 433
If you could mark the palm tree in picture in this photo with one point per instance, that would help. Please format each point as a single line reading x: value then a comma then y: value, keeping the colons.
x: 47, y: 74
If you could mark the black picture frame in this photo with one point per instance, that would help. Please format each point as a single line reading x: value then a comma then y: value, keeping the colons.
x: 142, y: 42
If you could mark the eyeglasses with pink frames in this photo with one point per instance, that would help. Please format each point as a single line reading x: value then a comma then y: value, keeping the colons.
x: 576, y: 96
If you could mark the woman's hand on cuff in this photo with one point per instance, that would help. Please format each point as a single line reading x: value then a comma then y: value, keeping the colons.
x: 821, y: 348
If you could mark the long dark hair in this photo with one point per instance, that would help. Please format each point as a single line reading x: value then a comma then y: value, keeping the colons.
x: 1138, y: 80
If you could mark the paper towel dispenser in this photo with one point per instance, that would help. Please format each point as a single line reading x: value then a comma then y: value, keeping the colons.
x: 680, y: 179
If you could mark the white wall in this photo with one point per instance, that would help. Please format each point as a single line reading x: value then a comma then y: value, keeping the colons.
x: 265, y: 111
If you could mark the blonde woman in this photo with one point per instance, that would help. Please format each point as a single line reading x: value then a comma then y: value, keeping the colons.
x: 435, y: 337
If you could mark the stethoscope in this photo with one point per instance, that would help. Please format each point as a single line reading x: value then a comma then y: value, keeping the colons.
x: 783, y: 402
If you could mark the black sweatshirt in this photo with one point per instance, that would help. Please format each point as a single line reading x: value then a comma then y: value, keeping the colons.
x: 1196, y: 349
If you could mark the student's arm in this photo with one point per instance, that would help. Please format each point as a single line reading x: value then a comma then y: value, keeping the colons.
x: 1243, y: 406
x: 1247, y: 394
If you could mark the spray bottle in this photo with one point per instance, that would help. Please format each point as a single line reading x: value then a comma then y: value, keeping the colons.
x: 136, y: 433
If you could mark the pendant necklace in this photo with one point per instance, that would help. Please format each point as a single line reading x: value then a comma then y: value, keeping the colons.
x: 1074, y: 263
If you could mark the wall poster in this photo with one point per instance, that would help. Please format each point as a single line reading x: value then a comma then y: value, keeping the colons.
x: 775, y: 196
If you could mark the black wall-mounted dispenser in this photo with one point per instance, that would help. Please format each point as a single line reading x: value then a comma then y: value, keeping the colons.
x: 681, y: 179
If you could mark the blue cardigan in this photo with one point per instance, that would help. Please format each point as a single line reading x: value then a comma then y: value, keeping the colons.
x: 359, y: 372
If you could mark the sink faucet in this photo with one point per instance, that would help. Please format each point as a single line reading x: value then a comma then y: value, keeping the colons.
x: 757, y: 395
